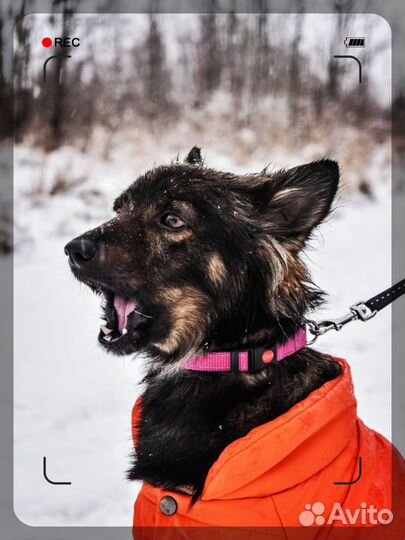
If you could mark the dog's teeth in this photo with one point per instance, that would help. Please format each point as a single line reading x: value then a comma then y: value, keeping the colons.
x: 107, y: 338
x: 124, y: 331
x: 106, y: 331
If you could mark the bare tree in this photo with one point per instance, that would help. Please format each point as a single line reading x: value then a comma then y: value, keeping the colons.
x: 157, y: 77
x: 5, y: 93
x: 336, y: 69
x: 56, y: 89
x: 294, y: 82
x: 23, y: 94
x: 262, y: 57
x: 209, y: 53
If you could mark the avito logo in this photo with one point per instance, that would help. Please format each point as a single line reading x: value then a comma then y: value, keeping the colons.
x: 314, y: 514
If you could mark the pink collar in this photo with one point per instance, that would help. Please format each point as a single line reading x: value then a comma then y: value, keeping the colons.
x: 250, y: 360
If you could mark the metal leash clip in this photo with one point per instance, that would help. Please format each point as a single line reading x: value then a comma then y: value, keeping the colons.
x: 359, y: 311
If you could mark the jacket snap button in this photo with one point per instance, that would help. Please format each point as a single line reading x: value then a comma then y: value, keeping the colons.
x: 168, y: 506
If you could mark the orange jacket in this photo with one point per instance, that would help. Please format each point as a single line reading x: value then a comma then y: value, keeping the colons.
x: 267, y: 480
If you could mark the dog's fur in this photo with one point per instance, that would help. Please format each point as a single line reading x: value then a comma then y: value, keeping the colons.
x: 229, y: 275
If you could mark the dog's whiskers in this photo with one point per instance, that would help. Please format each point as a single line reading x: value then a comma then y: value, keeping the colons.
x: 143, y: 314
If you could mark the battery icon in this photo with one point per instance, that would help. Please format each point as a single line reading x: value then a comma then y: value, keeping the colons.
x: 355, y: 42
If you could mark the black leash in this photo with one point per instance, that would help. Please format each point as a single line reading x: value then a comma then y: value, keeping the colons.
x: 361, y: 311
x: 385, y: 298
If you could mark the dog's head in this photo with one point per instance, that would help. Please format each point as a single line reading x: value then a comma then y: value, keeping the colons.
x: 199, y: 259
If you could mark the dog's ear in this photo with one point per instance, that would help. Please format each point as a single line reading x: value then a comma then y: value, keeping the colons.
x: 194, y: 156
x: 298, y: 199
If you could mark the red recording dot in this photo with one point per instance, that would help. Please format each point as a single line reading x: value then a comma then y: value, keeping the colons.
x: 47, y: 42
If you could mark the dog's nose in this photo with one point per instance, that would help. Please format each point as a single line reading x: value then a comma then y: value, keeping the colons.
x: 80, y: 251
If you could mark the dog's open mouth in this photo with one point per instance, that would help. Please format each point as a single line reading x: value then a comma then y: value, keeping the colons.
x: 123, y: 319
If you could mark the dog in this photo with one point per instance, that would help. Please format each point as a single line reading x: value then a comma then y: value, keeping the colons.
x: 195, y: 262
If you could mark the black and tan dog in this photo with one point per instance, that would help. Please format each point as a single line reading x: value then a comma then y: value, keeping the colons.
x: 196, y: 260
x: 199, y: 260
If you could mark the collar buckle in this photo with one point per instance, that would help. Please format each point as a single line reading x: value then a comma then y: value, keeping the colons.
x: 261, y: 357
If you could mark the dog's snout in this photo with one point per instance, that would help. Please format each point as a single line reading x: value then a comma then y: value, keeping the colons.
x: 81, y: 250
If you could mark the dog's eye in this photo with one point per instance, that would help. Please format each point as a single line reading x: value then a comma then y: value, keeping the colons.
x: 173, y: 222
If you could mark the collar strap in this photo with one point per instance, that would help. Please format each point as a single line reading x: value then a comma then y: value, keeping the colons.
x: 247, y: 361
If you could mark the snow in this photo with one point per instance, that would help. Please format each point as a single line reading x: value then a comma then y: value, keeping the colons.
x: 73, y: 401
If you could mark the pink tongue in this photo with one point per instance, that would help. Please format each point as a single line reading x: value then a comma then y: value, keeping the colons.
x: 123, y: 308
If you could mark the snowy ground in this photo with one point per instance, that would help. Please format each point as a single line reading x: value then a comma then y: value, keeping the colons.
x: 73, y: 402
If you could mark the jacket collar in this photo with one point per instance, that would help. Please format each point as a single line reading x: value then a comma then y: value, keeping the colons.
x: 291, y: 448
